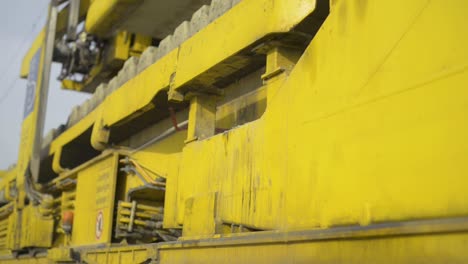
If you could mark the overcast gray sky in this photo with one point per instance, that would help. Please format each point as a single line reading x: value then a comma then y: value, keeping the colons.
x: 20, y: 22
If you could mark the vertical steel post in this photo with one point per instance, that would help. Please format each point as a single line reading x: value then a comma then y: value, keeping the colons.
x: 44, y: 88
x: 73, y: 17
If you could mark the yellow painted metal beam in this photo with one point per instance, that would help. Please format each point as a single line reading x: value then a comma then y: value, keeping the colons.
x: 103, y: 15
x: 183, y: 61
x: 37, y: 44
x: 135, y: 96
x: 66, y: 137
x: 444, y: 248
x: 405, y: 242
x: 26, y: 260
x: 276, y: 16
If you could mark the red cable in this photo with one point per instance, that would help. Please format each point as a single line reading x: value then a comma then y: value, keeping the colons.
x: 174, y: 119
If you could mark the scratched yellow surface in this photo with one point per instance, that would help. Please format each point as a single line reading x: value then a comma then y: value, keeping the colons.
x: 368, y: 127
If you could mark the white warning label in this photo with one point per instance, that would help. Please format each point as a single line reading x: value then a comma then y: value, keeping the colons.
x: 99, y: 224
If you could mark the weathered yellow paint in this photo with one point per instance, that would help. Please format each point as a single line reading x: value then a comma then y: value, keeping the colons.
x: 61, y: 254
x: 140, y: 44
x: 449, y: 248
x: 377, y: 141
x: 146, y: 87
x: 38, y: 228
x: 275, y: 16
x: 202, y: 118
x: 70, y: 134
x: 359, y: 132
x: 121, y: 45
x: 124, y: 254
x: 143, y: 87
x: 135, y: 95
x: 365, y: 132
x: 102, y: 15
x: 240, y: 110
x: 72, y: 85
x: 95, y: 194
x: 6, y: 223
x: 167, y: 154
x: 37, y: 44
x: 406, y: 242
x: 30, y: 116
x: 23, y: 260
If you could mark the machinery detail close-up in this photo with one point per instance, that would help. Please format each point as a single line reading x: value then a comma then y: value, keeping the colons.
x: 244, y: 131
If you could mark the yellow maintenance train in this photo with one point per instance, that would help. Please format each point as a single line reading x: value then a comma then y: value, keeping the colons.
x: 245, y: 131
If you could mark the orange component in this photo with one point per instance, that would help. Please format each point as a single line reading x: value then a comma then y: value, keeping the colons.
x: 67, y: 221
